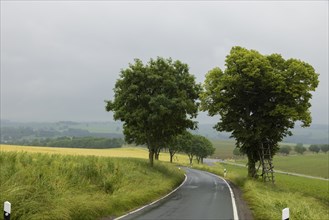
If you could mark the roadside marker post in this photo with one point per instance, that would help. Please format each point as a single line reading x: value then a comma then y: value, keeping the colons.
x: 285, y: 214
x: 6, y: 210
x: 224, y: 173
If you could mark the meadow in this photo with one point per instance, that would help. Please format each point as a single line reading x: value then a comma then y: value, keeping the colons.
x: 56, y: 186
x: 309, y: 164
x: 224, y: 148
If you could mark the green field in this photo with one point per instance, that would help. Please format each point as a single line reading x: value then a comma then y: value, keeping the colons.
x: 306, y: 198
x: 308, y: 164
x: 53, y: 186
x: 67, y: 183
x: 224, y: 148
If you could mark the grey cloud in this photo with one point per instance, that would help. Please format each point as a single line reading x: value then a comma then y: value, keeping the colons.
x: 60, y: 60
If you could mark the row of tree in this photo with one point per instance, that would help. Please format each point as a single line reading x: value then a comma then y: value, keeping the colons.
x: 258, y: 98
x: 300, y: 149
x: 195, y: 146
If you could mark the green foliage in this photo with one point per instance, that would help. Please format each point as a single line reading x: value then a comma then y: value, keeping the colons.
x: 285, y: 150
x: 204, y: 147
x: 155, y: 102
x: 259, y: 98
x: 196, y: 146
x: 324, y: 148
x: 42, y: 186
x: 237, y: 152
x: 314, y: 148
x: 300, y: 149
x: 178, y: 143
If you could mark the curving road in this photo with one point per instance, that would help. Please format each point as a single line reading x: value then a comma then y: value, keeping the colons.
x: 202, y: 196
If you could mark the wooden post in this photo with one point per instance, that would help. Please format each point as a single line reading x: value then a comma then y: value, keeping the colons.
x: 285, y: 214
x: 6, y: 210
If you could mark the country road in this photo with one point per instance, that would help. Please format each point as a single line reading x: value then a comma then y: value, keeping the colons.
x: 202, y: 196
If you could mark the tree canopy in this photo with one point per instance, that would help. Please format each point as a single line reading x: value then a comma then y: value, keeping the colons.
x: 300, y: 149
x: 195, y: 146
x: 285, y: 150
x: 259, y: 98
x: 156, y: 101
x: 314, y: 148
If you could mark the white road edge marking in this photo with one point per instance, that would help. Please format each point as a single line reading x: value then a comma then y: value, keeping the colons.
x: 137, y: 210
x: 235, y: 211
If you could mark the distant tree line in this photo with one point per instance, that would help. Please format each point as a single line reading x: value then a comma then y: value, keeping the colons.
x: 298, y: 148
x: 74, y: 142
x: 19, y: 135
x: 317, y: 147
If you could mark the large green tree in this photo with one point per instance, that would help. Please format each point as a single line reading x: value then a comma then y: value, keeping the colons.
x: 205, y: 148
x: 196, y: 146
x: 259, y: 98
x: 156, y: 101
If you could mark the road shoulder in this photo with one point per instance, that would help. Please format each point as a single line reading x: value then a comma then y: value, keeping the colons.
x: 243, y: 209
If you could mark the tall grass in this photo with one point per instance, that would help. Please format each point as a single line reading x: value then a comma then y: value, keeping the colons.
x: 52, y: 186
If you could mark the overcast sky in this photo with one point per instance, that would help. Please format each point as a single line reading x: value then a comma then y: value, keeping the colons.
x: 60, y: 60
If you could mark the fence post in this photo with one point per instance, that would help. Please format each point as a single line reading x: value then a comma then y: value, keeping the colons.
x: 6, y: 210
x: 285, y: 214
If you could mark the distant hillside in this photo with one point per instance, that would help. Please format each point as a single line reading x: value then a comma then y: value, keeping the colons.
x: 16, y: 132
x: 316, y: 134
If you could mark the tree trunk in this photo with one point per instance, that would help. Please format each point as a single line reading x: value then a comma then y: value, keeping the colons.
x: 191, y: 159
x: 171, y: 156
x: 252, y: 168
x: 157, y: 153
x: 151, y: 156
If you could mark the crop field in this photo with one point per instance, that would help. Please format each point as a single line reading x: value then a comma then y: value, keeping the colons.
x: 54, y: 186
x: 127, y: 151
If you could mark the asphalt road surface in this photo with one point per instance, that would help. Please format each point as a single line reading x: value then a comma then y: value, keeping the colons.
x: 202, y: 196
